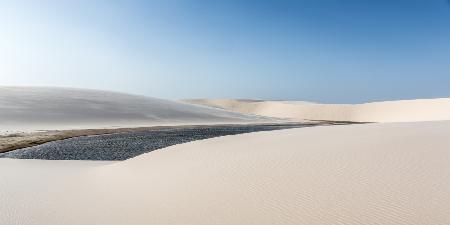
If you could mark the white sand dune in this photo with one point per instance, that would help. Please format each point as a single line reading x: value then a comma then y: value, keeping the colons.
x: 32, y: 108
x: 394, y: 173
x: 388, y: 173
x: 389, y: 111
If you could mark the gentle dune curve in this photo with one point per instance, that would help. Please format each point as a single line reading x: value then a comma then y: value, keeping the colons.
x: 389, y: 111
x: 38, y: 108
x: 393, y: 173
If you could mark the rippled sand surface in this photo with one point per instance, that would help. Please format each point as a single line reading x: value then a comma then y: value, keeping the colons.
x: 358, y: 174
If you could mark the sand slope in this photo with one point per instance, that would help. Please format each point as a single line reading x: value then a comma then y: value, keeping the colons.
x: 394, y: 173
x: 31, y: 108
x: 390, y: 111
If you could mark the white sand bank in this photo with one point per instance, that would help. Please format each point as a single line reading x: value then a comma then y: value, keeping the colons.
x: 32, y: 108
x: 360, y: 174
x: 390, y: 111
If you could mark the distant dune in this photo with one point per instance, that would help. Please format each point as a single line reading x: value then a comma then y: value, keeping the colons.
x: 367, y: 174
x: 31, y: 108
x: 389, y: 111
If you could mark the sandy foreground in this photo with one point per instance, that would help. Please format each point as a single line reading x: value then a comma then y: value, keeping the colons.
x: 389, y: 111
x: 394, y: 173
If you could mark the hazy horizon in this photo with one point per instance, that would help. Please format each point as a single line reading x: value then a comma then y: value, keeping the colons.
x: 332, y: 52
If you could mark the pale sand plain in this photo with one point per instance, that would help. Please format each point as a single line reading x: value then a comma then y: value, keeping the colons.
x: 30, y: 109
x: 393, y: 173
x: 386, y: 173
x: 388, y: 111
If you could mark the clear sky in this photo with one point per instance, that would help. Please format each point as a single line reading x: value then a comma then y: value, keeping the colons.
x: 341, y: 51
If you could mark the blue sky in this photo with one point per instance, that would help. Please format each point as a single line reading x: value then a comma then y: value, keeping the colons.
x: 318, y: 50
